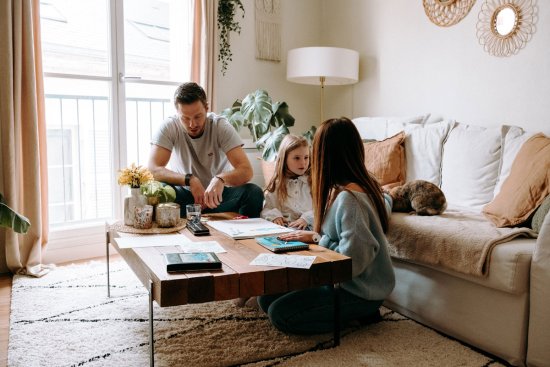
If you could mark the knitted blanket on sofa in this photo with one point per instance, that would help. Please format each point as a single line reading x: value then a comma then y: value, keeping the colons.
x: 456, y: 240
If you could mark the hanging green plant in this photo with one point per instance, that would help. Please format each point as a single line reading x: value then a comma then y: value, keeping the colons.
x: 227, y: 24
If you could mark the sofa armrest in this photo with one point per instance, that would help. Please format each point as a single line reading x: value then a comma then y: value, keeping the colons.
x: 538, y: 351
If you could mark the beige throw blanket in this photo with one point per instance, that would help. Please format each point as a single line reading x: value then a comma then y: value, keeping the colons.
x: 455, y: 240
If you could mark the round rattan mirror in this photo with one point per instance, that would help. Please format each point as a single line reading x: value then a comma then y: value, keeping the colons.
x: 505, y: 26
x: 446, y: 13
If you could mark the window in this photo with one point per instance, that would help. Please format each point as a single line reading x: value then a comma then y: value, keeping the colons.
x: 110, y: 71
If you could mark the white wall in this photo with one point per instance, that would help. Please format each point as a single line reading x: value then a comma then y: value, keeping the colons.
x: 411, y: 66
x: 300, y: 27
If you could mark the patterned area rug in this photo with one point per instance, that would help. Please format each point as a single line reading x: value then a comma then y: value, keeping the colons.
x: 66, y: 319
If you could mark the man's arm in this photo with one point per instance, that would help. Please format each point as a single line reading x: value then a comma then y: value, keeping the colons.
x: 158, y: 159
x: 241, y: 174
x: 242, y: 169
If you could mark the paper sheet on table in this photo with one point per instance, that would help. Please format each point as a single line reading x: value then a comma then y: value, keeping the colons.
x: 151, y: 240
x: 202, y: 246
x: 248, y: 228
x: 288, y: 261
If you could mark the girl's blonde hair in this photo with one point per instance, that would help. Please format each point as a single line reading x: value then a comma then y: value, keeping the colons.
x: 282, y: 173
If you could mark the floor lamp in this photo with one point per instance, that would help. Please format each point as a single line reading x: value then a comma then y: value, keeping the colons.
x: 322, y: 66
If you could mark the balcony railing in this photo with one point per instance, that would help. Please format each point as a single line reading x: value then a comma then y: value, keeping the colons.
x: 81, y: 168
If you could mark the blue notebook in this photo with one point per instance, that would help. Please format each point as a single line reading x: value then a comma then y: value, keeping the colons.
x: 276, y: 245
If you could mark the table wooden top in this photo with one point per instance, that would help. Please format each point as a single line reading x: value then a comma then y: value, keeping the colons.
x: 236, y: 278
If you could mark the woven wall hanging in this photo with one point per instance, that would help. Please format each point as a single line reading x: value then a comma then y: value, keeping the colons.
x: 446, y: 13
x: 268, y: 29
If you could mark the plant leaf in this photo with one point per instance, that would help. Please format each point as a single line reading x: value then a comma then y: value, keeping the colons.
x: 281, y: 115
x: 234, y: 116
x: 269, y: 144
x: 256, y: 109
x: 10, y: 219
x: 310, y: 134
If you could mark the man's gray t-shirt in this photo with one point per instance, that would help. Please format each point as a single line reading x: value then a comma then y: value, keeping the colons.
x: 203, y: 157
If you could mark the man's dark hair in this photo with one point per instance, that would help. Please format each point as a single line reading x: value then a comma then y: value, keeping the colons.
x: 188, y: 93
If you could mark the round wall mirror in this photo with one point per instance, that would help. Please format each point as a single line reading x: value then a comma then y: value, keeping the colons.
x: 505, y: 26
x: 505, y: 21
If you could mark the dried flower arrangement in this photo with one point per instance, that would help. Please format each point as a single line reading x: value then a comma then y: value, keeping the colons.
x: 134, y: 176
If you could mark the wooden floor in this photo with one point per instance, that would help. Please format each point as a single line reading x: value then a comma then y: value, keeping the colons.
x: 5, y: 298
x: 5, y: 301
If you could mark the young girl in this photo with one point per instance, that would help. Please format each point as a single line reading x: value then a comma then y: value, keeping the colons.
x: 351, y: 217
x: 288, y: 194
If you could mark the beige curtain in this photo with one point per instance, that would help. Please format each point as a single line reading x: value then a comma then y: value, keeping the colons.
x: 23, y: 134
x: 204, y: 48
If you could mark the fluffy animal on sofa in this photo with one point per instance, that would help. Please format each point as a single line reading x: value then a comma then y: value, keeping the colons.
x: 418, y: 197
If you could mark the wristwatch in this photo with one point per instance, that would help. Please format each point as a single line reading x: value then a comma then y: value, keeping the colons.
x: 188, y: 179
x: 316, y: 238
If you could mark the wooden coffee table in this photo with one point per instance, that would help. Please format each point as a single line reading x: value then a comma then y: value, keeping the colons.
x: 236, y: 279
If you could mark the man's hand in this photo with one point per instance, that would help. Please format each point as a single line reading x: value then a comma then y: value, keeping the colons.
x: 197, y: 190
x: 299, y: 223
x: 213, y: 193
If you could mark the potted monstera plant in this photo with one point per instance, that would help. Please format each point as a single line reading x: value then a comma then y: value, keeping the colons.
x: 268, y: 122
x: 11, y: 219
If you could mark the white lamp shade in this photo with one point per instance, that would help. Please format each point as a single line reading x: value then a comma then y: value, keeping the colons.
x: 338, y: 65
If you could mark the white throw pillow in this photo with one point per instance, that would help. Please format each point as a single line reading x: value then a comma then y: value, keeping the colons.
x: 469, y: 169
x: 380, y: 128
x: 371, y: 127
x: 512, y: 142
x: 398, y: 124
x: 424, y: 150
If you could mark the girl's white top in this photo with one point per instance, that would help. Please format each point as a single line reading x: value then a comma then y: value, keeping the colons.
x: 297, y: 205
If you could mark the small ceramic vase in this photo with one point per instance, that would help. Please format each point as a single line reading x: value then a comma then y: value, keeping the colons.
x: 130, y: 203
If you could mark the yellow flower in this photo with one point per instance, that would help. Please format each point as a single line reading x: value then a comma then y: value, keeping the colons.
x: 134, y: 176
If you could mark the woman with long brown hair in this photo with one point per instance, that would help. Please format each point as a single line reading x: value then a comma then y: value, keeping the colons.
x: 351, y: 217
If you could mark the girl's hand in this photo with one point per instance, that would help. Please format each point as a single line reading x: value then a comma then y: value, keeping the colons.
x: 299, y: 223
x: 280, y: 221
x: 304, y: 236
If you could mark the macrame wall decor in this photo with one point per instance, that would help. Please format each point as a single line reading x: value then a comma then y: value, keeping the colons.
x: 505, y: 26
x: 268, y: 29
x: 446, y: 13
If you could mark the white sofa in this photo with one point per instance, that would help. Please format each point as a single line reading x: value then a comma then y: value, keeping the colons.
x: 506, y: 312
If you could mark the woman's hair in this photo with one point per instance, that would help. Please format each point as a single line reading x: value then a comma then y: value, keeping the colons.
x: 188, y: 93
x: 282, y: 173
x: 339, y: 159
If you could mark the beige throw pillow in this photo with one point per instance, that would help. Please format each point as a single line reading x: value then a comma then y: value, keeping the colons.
x: 386, y: 160
x: 525, y: 187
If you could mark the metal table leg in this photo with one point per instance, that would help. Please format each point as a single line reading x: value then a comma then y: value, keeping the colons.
x: 151, y: 333
x: 107, y: 255
x: 337, y: 319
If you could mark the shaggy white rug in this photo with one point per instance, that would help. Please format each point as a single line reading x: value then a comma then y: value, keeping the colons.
x: 66, y: 319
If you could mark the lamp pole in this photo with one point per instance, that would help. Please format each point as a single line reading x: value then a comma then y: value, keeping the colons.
x: 322, y: 80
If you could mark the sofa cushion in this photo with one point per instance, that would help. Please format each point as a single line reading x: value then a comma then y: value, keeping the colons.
x: 399, y: 124
x: 379, y: 128
x: 386, y: 160
x: 540, y: 214
x: 509, y: 268
x: 526, y: 186
x: 511, y: 143
x: 469, y: 169
x: 424, y: 150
